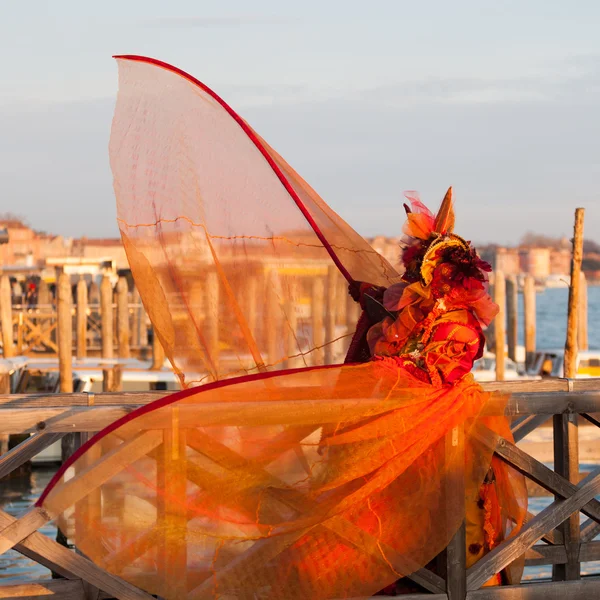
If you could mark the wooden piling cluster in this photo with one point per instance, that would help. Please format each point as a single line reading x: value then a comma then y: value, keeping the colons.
x: 294, y: 311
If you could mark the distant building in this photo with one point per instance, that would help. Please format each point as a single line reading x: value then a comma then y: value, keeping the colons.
x: 535, y: 262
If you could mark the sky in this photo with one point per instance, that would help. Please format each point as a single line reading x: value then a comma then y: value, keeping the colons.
x: 500, y: 99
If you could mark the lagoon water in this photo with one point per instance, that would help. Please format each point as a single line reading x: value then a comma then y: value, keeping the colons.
x: 18, y: 494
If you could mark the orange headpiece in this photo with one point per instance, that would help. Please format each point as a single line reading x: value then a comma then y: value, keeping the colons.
x: 431, y: 242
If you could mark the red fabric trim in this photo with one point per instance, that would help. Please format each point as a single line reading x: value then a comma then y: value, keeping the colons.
x: 161, y: 403
x: 286, y: 184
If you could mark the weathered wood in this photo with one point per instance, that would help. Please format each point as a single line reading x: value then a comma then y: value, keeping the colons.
x: 456, y: 553
x: 295, y: 359
x: 158, y: 352
x: 211, y: 322
x: 101, y: 471
x: 8, y: 349
x: 65, y: 332
x: 317, y: 309
x: 330, y: 317
x: 64, y: 589
x: 500, y: 323
x: 582, y: 320
x: 273, y: 318
x: 526, y: 425
x: 18, y: 530
x: 82, y: 306
x: 509, y: 550
x: 25, y: 451
x: 512, y: 316
x: 106, y: 311
x: 570, y: 363
x: 71, y: 565
x: 566, y: 463
x: 112, y: 379
x: 529, y: 302
x: 573, y: 590
x: 123, y: 330
x: 544, y: 476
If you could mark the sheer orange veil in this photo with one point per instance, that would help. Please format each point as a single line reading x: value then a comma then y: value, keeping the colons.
x: 271, y: 474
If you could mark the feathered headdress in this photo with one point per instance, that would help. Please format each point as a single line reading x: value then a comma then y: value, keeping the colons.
x: 433, y: 254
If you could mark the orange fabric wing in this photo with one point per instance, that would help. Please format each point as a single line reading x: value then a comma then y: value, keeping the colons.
x: 223, y: 237
x: 324, y: 483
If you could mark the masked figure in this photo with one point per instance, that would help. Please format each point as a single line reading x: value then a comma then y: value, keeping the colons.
x: 281, y: 470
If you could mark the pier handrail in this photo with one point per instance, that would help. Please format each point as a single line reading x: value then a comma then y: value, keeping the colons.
x: 50, y: 417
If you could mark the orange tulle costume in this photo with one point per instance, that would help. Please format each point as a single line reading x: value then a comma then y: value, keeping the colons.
x: 258, y: 480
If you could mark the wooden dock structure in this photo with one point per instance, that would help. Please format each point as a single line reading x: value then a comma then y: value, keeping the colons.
x: 552, y: 537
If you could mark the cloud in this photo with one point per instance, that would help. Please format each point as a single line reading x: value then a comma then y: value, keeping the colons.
x: 222, y: 21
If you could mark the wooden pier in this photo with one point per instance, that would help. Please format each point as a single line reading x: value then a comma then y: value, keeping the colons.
x: 553, y: 537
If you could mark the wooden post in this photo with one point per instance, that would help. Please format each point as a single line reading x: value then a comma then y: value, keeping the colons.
x: 272, y: 319
x: 43, y: 296
x: 512, y: 316
x: 456, y: 553
x: 112, y: 379
x: 330, y: 304
x: 158, y: 352
x: 65, y: 332
x: 123, y: 317
x: 582, y: 338
x: 500, y: 323
x: 341, y: 291
x: 6, y: 317
x: 212, y: 317
x: 291, y: 326
x: 574, y: 293
x: 352, y: 316
x: 530, y: 317
x: 137, y: 320
x: 566, y: 435
x: 316, y: 311
x: 4, y: 390
x: 106, y: 311
x: 252, y: 302
x: 82, y: 297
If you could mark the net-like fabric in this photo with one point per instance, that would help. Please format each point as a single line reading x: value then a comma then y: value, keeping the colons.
x: 224, y: 239
x: 323, y: 483
x: 320, y: 482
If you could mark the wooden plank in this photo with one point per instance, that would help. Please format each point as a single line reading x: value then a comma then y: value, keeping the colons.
x: 509, y: 550
x: 544, y: 476
x: 32, y: 420
x: 574, y: 590
x: 64, y: 589
x: 93, y: 476
x: 72, y: 565
x: 543, y: 554
x: 31, y: 521
x: 566, y: 464
x: 526, y: 425
x: 26, y: 450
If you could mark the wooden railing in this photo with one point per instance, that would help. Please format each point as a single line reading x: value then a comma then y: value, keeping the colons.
x: 552, y: 537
